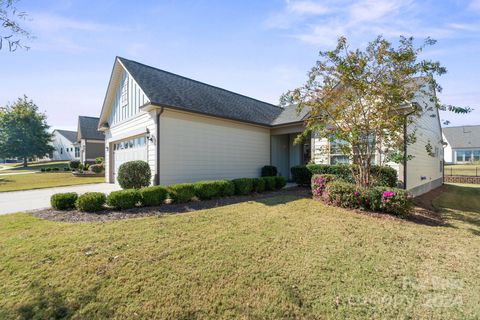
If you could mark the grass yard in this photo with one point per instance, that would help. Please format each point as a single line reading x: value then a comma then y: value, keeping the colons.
x: 43, y: 180
x: 32, y: 166
x: 281, y: 257
x: 462, y: 170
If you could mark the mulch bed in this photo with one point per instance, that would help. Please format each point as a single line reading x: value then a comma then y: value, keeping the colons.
x: 107, y: 215
x: 424, y: 211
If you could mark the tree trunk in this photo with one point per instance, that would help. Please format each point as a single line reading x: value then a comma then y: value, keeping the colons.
x: 25, y: 162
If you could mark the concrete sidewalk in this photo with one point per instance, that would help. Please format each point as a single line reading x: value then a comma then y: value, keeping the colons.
x: 17, y: 201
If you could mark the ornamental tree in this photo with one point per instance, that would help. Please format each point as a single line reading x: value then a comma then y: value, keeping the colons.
x: 363, y: 98
x: 24, y: 131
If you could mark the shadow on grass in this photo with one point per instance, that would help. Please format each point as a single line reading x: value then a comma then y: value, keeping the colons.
x: 48, y: 303
x: 5, y: 181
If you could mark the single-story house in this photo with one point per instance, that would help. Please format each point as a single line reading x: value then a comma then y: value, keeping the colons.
x: 463, y: 144
x: 65, y: 145
x: 188, y: 130
x: 90, y: 140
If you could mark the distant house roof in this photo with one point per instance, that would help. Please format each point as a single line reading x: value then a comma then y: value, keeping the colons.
x: 463, y: 137
x: 171, y: 90
x: 69, y: 135
x: 87, y: 128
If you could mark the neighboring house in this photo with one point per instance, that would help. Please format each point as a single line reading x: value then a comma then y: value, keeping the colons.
x: 463, y: 144
x: 90, y: 140
x: 188, y: 130
x: 65, y: 145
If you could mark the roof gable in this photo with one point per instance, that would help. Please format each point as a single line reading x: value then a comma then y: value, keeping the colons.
x: 69, y: 135
x: 463, y: 136
x: 88, y: 128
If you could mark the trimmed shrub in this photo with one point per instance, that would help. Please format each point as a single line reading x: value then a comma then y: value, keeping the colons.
x: 134, y: 175
x: 384, y: 176
x: 63, y: 201
x: 205, y: 190
x: 395, y: 201
x: 48, y: 169
x: 258, y: 185
x: 270, y: 183
x: 269, y: 171
x: 55, y: 169
x: 74, y: 164
x: 91, y: 202
x: 86, y: 166
x: 66, y: 169
x: 301, y: 175
x: 153, y: 196
x: 97, y: 168
x: 42, y: 169
x: 99, y: 160
x: 123, y: 199
x: 182, y: 192
x: 228, y: 188
x: 342, y: 194
x: 319, y: 183
x: 280, y: 182
x: 243, y: 186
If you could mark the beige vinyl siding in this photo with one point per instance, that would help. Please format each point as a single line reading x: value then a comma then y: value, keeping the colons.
x: 131, y: 128
x: 423, y: 168
x: 194, y: 147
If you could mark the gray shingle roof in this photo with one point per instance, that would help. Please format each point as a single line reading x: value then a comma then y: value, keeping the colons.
x: 463, y: 137
x: 289, y: 115
x: 171, y: 90
x: 69, y: 135
x: 87, y: 128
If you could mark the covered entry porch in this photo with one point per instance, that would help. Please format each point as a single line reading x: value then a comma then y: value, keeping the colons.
x: 285, y: 153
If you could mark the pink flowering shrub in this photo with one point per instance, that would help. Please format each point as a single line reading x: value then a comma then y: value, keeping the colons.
x: 389, y: 200
x: 319, y: 183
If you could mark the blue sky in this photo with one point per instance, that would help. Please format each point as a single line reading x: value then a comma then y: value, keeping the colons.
x: 257, y: 48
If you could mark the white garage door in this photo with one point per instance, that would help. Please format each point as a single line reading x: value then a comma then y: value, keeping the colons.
x: 131, y: 149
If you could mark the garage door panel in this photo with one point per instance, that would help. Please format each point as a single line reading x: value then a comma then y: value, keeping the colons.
x: 131, y: 149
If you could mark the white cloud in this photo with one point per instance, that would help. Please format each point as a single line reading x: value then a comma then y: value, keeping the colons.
x: 372, y: 10
x: 475, y: 5
x: 307, y: 8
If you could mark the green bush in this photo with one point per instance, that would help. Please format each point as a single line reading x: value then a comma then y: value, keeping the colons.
x: 42, y: 169
x: 99, y: 160
x: 243, y: 186
x: 123, y: 199
x: 134, y: 175
x: 319, y: 183
x: 258, y: 185
x: 91, y: 202
x: 86, y: 166
x: 63, y: 201
x: 389, y: 200
x: 270, y: 183
x: 48, y: 169
x: 205, y: 190
x: 381, y: 176
x: 228, y: 188
x: 74, y: 164
x: 280, y: 182
x: 56, y: 169
x: 97, y: 168
x: 269, y: 171
x: 153, y: 196
x: 66, y: 169
x: 182, y: 192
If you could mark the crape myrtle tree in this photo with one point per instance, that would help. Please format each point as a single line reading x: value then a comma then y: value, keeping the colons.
x: 24, y: 131
x: 12, y: 33
x: 364, y: 98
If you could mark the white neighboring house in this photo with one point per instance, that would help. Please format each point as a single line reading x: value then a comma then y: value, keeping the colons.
x: 65, y: 145
x: 463, y: 144
x: 187, y: 131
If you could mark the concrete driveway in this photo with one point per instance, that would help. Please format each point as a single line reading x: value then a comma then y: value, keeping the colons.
x: 16, y: 201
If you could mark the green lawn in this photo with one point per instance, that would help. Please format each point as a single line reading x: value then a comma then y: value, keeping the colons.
x: 462, y: 170
x: 43, y: 180
x: 276, y: 258
x: 33, y: 166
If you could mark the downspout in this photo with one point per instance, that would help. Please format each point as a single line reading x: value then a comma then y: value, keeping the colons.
x: 157, y: 174
x: 405, y: 155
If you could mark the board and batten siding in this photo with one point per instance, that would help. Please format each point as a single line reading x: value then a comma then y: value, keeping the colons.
x: 194, y: 148
x: 135, y: 99
x: 132, y: 128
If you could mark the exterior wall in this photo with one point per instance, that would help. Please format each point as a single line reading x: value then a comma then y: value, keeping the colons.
x: 133, y: 127
x: 447, y: 151
x: 135, y: 99
x: 425, y: 169
x: 194, y: 147
x: 61, y: 145
x: 94, y: 149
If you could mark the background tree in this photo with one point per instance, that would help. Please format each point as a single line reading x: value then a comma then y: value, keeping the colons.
x: 12, y: 33
x: 362, y: 98
x: 24, y: 131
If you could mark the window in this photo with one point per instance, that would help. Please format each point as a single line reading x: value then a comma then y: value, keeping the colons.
x: 124, y: 97
x: 77, y: 152
x: 61, y: 150
x: 336, y: 154
x: 467, y: 155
